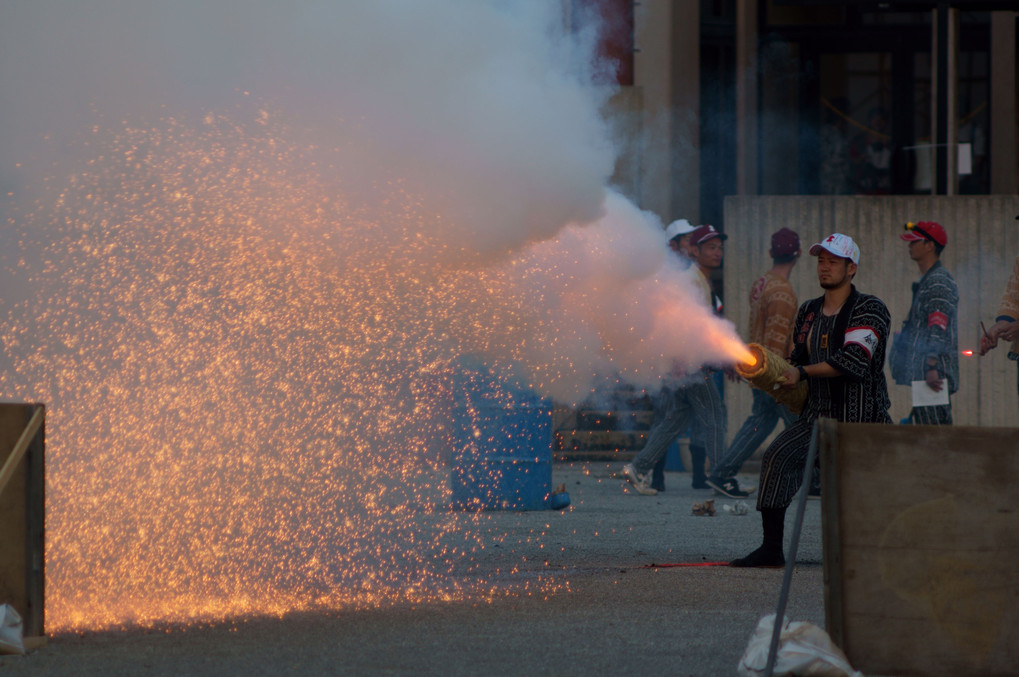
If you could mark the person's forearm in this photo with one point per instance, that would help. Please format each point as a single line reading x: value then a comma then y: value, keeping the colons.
x: 1002, y: 323
x: 821, y: 370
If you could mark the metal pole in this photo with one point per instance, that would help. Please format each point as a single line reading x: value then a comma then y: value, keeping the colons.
x: 945, y: 136
x: 787, y: 579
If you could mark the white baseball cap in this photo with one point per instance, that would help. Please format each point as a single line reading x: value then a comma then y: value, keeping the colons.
x: 677, y: 228
x: 839, y: 245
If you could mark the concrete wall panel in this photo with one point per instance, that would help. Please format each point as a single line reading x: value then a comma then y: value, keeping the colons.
x: 983, y: 244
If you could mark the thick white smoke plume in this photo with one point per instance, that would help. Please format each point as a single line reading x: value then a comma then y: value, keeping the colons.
x: 482, y: 110
x: 481, y: 106
x: 245, y: 241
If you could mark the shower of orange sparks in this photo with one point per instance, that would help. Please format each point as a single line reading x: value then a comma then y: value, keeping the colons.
x: 248, y: 382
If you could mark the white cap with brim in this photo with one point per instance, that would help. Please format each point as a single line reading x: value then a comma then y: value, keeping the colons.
x: 677, y: 228
x: 839, y: 245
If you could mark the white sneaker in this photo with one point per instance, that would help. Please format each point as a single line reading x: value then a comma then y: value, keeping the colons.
x: 640, y: 482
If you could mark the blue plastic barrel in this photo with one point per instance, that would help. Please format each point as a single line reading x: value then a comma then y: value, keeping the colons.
x: 501, y: 457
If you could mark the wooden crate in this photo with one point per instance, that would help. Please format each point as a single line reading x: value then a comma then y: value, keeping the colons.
x: 22, y: 513
x: 921, y: 547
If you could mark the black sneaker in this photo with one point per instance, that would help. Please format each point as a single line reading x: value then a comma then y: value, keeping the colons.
x: 729, y: 487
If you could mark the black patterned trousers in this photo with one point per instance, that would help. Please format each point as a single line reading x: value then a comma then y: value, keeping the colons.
x: 940, y: 414
x: 783, y: 464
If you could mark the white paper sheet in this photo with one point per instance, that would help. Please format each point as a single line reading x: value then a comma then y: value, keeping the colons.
x: 924, y: 395
x: 965, y: 162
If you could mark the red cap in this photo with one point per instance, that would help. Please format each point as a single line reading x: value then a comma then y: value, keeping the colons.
x: 925, y: 230
x: 704, y: 233
x: 784, y: 242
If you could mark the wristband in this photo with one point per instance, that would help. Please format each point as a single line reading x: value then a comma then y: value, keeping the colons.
x: 803, y: 373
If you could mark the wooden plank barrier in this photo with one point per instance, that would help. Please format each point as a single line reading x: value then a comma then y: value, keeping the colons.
x: 22, y: 514
x: 921, y: 547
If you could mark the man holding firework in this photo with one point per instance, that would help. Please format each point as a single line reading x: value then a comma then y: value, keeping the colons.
x: 839, y: 342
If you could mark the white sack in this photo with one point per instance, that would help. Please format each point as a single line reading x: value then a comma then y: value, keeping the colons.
x: 10, y: 631
x: 804, y: 650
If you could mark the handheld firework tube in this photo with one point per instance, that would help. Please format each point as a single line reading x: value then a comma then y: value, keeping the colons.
x: 764, y: 374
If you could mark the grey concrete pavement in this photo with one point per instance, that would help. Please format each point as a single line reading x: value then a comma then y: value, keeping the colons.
x: 606, y: 611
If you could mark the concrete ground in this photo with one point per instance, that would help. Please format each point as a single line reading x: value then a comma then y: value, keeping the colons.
x: 612, y: 613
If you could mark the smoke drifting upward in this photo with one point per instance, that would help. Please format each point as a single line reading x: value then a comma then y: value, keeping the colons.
x: 480, y: 106
x: 249, y: 243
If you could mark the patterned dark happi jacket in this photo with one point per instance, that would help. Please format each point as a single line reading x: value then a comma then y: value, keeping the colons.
x: 854, y: 342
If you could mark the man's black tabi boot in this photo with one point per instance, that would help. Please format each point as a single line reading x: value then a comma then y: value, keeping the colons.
x: 769, y: 555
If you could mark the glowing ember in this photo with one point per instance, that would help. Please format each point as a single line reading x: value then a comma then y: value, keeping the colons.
x: 967, y: 353
x: 249, y: 379
x: 246, y: 334
x: 247, y: 382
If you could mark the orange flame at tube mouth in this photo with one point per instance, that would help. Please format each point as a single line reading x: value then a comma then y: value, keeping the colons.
x: 743, y: 355
x: 755, y: 365
x: 766, y: 374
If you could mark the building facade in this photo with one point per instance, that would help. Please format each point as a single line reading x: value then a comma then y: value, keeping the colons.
x: 811, y: 97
